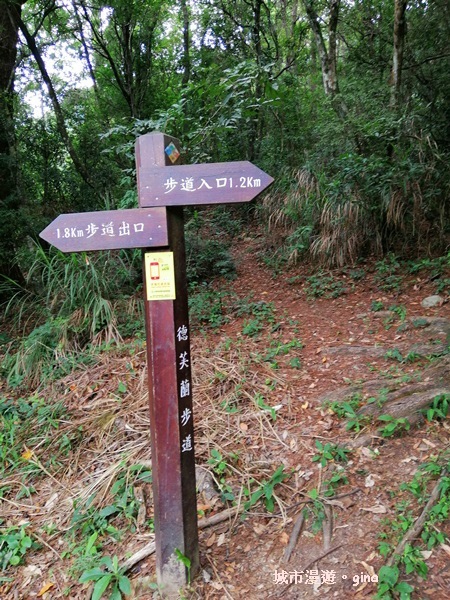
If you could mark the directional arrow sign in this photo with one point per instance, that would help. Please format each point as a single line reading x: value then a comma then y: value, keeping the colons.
x: 211, y: 183
x: 108, y: 230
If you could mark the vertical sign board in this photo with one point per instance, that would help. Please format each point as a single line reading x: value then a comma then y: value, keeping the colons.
x: 170, y: 387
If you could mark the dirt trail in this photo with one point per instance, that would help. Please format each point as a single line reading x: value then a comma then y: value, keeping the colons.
x: 262, y: 430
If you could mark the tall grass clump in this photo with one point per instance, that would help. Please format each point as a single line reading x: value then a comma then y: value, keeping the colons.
x: 69, y: 301
x: 357, y: 203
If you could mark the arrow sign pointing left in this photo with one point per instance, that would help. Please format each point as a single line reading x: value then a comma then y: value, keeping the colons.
x: 108, y: 230
x: 209, y: 183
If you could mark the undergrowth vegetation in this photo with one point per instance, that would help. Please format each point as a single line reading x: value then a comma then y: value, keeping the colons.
x: 330, y: 210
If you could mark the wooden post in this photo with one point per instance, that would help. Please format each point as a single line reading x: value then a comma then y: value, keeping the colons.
x: 170, y: 387
x: 164, y: 187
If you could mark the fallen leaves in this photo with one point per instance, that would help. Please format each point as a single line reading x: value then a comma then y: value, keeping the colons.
x: 27, y: 454
x: 44, y: 589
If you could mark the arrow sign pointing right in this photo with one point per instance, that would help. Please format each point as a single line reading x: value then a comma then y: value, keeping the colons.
x: 209, y: 183
x: 108, y: 230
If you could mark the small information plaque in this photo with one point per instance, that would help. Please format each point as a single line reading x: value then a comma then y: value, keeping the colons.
x: 160, y: 276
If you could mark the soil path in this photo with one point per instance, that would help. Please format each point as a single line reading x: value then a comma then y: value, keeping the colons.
x: 343, y: 342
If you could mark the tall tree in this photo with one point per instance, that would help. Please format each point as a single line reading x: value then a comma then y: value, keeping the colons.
x: 399, y: 44
x: 10, y: 201
x: 34, y: 49
x: 328, y: 56
x: 123, y: 37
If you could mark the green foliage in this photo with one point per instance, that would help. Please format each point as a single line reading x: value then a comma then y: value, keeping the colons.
x: 15, y: 542
x: 207, y: 306
x: 439, y: 408
x: 390, y: 587
x: 109, y: 577
x: 355, y: 174
x: 26, y: 424
x: 207, y: 259
x: 396, y: 527
x: 376, y: 306
x: 74, y: 296
x: 316, y: 508
x: 260, y: 403
x: 263, y: 317
x: 437, y: 270
x: 222, y: 467
x: 394, y: 426
x: 277, y: 348
x: 265, y: 490
x: 399, y: 310
x: 395, y: 354
x: 184, y: 561
x: 387, y: 275
x: 322, y: 285
x: 348, y: 409
x: 330, y: 452
x: 122, y: 511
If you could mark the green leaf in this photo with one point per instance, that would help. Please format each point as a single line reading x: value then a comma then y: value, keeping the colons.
x: 90, y: 544
x: 91, y: 575
x: 106, y: 560
x: 385, y: 418
x: 313, y: 494
x: 109, y: 510
x: 115, y: 594
x: 124, y: 584
x: 256, y: 496
x: 405, y: 590
x: 270, y: 505
x: 101, y: 586
x: 388, y: 575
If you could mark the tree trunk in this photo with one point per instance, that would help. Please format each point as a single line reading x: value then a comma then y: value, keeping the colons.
x: 10, y: 226
x: 186, y: 59
x: 328, y: 57
x: 399, y: 44
x: 255, y: 127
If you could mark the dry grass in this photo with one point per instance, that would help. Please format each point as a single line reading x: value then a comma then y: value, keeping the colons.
x: 283, y: 208
x: 110, y: 433
x: 344, y: 229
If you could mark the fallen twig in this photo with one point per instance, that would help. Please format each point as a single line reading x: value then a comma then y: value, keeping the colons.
x: 150, y: 548
x: 327, y: 527
x: 224, y: 589
x: 415, y: 530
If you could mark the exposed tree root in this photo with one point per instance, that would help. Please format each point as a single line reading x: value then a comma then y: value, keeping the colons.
x: 296, y: 531
x: 401, y: 401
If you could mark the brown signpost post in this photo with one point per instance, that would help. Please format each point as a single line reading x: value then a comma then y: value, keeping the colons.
x: 164, y: 187
x: 170, y: 386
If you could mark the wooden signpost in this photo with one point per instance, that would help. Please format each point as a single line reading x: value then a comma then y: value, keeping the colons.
x: 164, y: 187
x: 108, y: 230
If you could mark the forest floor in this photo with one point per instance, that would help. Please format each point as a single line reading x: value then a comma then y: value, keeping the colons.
x: 263, y: 370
